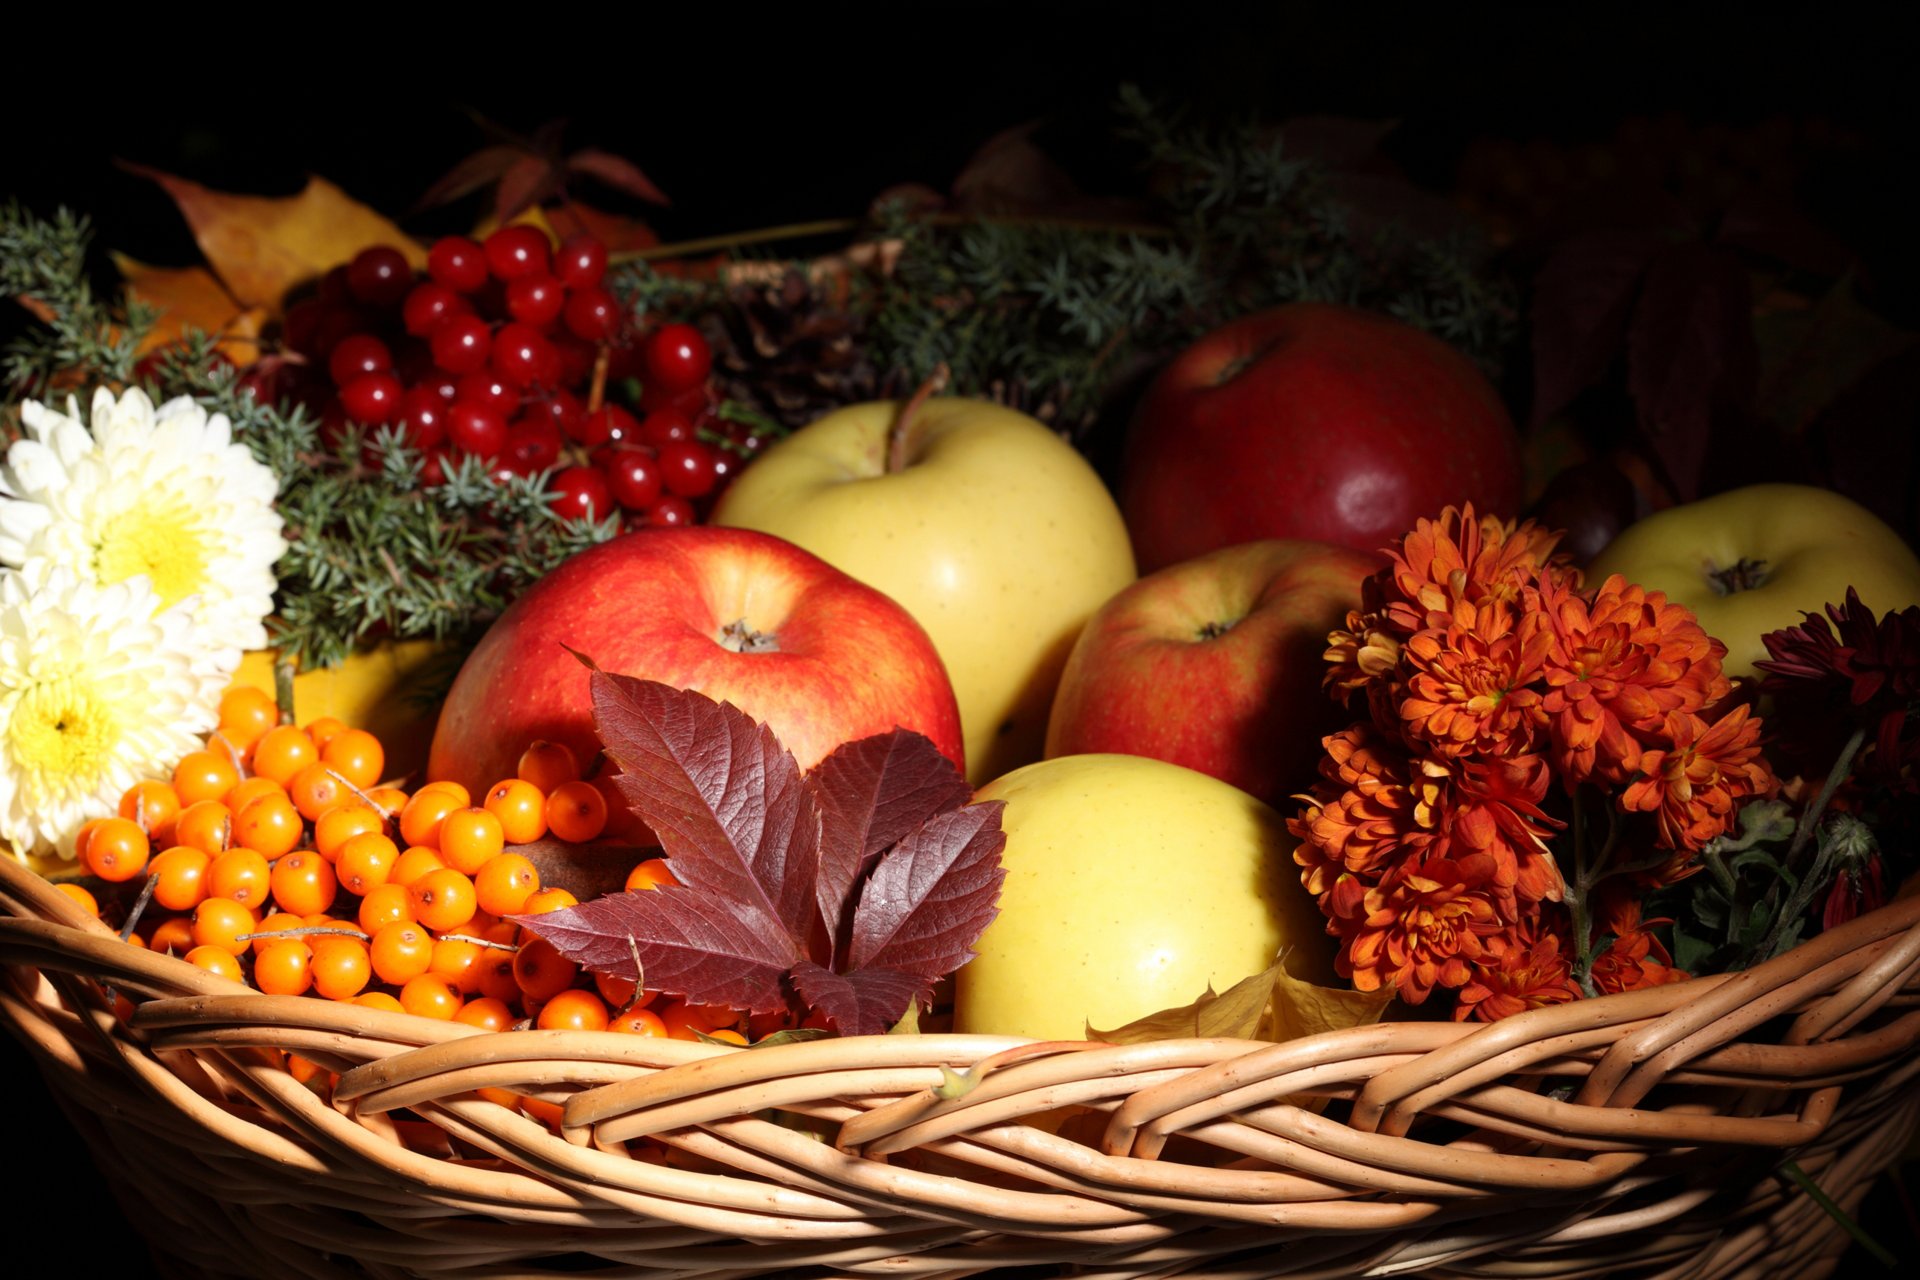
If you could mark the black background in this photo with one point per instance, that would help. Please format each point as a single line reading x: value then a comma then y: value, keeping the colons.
x: 747, y: 122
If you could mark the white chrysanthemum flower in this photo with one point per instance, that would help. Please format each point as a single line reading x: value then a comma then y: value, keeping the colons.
x: 165, y: 493
x: 99, y: 688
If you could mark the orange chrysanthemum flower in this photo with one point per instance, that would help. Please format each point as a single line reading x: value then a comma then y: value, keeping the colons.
x: 1363, y: 654
x: 1467, y: 686
x: 1528, y: 965
x: 1692, y: 786
x: 1481, y: 561
x: 1418, y: 930
x: 1617, y: 666
x: 1496, y: 814
x: 1372, y: 807
x: 1635, y: 959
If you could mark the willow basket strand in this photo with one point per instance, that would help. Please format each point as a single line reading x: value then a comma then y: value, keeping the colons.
x: 1634, y: 1134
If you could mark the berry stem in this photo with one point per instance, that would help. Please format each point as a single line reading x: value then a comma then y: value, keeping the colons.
x: 283, y: 685
x: 902, y: 437
x: 597, y: 390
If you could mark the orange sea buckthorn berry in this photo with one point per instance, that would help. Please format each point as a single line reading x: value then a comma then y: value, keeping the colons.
x: 469, y: 839
x: 443, y: 899
x: 117, y: 849
x: 452, y: 788
x: 303, y: 1070
x: 365, y: 862
x: 172, y: 937
x: 682, y: 1020
x: 401, y: 952
x: 153, y: 805
x: 651, y: 874
x: 378, y: 1000
x: 388, y: 800
x: 430, y: 996
x: 494, y: 978
x: 727, y: 1035
x: 219, y: 922
x: 576, y: 812
x: 270, y: 824
x: 521, y: 808
x: 486, y: 1013
x: 341, y: 967
x: 420, y: 820
x: 638, y: 1022
x: 546, y: 900
x: 542, y: 972
x: 280, y: 922
x: 414, y: 863
x: 83, y: 899
x: 283, y: 967
x: 388, y: 904
x: 342, y: 823
x: 499, y: 1097
x: 206, y: 826
x: 325, y: 730
x: 246, y: 792
x: 355, y: 755
x: 203, y: 775
x: 458, y: 962
x: 83, y: 836
x: 246, y: 713
x: 547, y: 764
x: 618, y: 992
x: 282, y: 752
x: 240, y: 874
x: 505, y: 883
x: 316, y: 789
x: 180, y: 878
x: 303, y: 882
x: 573, y: 1010
x: 216, y: 960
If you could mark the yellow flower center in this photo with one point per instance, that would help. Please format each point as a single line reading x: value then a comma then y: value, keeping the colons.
x: 162, y: 539
x: 62, y: 730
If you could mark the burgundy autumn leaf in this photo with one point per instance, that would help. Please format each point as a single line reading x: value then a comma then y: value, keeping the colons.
x: 862, y: 1003
x: 1582, y: 300
x: 617, y: 172
x: 481, y: 169
x: 1690, y: 348
x: 871, y: 794
x: 880, y: 835
x: 725, y: 798
x: 694, y: 943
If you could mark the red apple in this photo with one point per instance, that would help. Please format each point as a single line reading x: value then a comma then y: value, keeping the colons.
x: 1215, y: 664
x: 744, y: 617
x: 1312, y: 421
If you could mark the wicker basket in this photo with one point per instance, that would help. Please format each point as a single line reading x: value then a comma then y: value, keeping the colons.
x: 1635, y: 1134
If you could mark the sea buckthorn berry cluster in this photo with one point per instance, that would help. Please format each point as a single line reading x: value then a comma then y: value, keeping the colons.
x: 502, y: 350
x: 276, y: 857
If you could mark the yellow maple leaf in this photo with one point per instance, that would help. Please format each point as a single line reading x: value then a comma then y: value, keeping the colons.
x: 262, y: 246
x: 190, y: 298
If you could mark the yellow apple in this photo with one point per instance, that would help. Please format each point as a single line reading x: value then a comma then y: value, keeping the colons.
x: 1755, y: 559
x: 1132, y: 885
x: 994, y: 534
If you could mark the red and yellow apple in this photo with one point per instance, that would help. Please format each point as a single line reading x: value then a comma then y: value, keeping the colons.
x: 1755, y: 559
x: 1215, y: 664
x: 1132, y: 886
x: 740, y: 616
x: 1312, y: 421
x: 987, y: 526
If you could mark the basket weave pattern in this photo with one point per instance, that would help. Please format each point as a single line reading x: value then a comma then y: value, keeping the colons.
x: 1638, y: 1133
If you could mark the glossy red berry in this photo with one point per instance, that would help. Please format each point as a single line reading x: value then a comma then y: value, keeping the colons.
x: 581, y: 493
x: 686, y: 468
x: 487, y: 388
x: 379, y: 277
x: 461, y: 344
x: 424, y: 414
x: 609, y: 424
x: 536, y: 299
x: 333, y: 285
x: 664, y: 427
x: 677, y: 358
x: 476, y: 428
x: 427, y: 305
x: 581, y: 261
x: 670, y: 513
x: 532, y: 446
x: 516, y: 251
x: 458, y: 263
x: 633, y: 477
x: 372, y: 398
x: 523, y: 357
x: 357, y: 355
x: 592, y: 314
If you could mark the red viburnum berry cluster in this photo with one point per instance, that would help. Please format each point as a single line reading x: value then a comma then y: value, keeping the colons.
x: 1506, y: 707
x: 496, y: 352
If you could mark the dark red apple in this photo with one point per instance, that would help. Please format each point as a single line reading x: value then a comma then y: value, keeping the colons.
x: 1312, y: 421
x: 1215, y: 664
x: 744, y: 617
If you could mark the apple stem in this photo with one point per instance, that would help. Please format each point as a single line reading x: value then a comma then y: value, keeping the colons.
x: 1742, y: 575
x: 901, y: 437
x: 741, y: 638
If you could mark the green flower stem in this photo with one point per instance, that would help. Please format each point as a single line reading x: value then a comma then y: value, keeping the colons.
x: 1578, y: 894
x: 1797, y: 1176
x: 1815, y: 879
